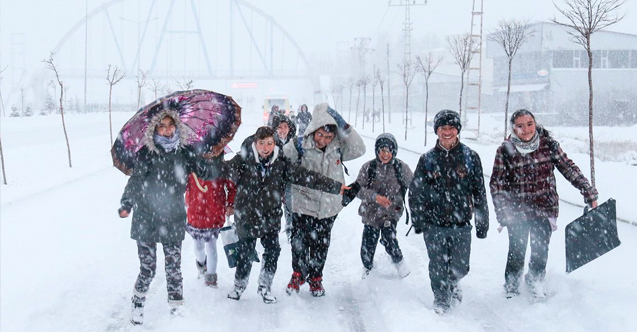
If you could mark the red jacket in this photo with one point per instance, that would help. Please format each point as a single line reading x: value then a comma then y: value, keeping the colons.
x: 207, y: 209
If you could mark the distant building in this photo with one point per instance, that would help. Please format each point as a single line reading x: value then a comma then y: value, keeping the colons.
x: 549, y: 76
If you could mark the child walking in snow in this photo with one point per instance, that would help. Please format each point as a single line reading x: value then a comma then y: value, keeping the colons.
x: 208, y: 202
x: 383, y: 182
x: 155, y: 194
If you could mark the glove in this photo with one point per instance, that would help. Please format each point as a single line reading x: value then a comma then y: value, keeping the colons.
x: 340, y: 122
x: 417, y: 230
x: 481, y: 233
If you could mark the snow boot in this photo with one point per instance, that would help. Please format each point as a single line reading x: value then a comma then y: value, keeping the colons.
x: 211, y: 280
x: 235, y: 294
x: 456, y: 295
x: 295, y: 283
x: 402, y: 268
x: 201, y: 268
x: 316, y: 287
x: 176, y: 310
x: 137, y: 312
x: 537, y: 290
x: 511, y: 291
x: 265, y: 293
x: 366, y: 272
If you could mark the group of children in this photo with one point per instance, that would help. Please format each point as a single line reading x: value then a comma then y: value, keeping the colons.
x: 445, y: 192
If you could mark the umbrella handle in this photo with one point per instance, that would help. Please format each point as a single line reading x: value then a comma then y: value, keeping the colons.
x: 204, y: 188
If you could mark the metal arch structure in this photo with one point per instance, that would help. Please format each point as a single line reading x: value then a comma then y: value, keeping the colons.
x: 269, y: 71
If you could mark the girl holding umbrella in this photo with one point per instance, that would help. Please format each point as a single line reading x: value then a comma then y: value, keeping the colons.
x: 525, y: 197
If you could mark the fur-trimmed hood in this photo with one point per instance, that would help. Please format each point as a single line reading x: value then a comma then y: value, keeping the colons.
x: 154, y: 122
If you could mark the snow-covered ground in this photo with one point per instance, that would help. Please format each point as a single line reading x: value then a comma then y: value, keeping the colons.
x: 68, y: 264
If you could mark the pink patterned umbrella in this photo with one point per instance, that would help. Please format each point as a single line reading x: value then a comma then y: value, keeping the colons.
x: 211, y: 120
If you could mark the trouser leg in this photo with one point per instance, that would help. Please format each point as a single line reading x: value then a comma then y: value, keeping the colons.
x: 540, y: 230
x: 389, y: 240
x: 271, y: 252
x: 319, y: 245
x: 368, y: 245
x: 147, y: 253
x: 174, y: 280
x: 245, y: 249
x: 459, y: 254
x: 438, y: 251
x: 299, y: 243
x: 518, y: 238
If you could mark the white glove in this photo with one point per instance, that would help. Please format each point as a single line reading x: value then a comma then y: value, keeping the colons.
x: 553, y: 222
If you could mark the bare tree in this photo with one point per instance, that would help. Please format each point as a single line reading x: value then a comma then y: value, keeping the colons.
x: 350, y: 85
x: 155, y: 86
x: 364, y: 81
x: 51, y: 65
x: 358, y: 100
x: 141, y: 82
x: 426, y: 66
x: 2, y: 100
x: 186, y: 84
x: 407, y: 72
x: 583, y: 18
x: 374, y: 84
x: 510, y: 35
x: 461, y: 48
x: 381, y: 81
x: 112, y: 79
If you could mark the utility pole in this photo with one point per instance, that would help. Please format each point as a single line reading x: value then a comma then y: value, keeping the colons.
x: 85, y: 50
x: 388, y: 88
x: 474, y: 72
x: 362, y: 50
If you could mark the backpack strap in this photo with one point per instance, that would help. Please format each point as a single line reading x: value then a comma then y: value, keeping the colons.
x: 371, y: 172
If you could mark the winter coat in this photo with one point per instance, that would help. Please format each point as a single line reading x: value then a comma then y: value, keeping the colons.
x: 303, y: 119
x: 155, y: 190
x: 523, y: 186
x: 207, y: 210
x: 261, y: 187
x: 347, y: 145
x: 448, y: 189
x: 385, y: 184
x: 276, y: 121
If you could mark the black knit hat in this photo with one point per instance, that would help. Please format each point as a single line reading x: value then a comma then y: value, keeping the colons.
x: 447, y: 118
x: 386, y: 140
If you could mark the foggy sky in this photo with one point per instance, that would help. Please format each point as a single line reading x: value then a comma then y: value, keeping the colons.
x: 317, y: 26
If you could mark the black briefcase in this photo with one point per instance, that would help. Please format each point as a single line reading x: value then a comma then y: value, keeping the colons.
x: 591, y: 235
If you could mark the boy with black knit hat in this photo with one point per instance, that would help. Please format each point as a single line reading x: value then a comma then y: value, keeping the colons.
x: 447, y: 191
x: 383, y: 184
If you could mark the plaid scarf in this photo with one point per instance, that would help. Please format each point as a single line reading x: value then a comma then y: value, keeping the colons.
x: 525, y: 147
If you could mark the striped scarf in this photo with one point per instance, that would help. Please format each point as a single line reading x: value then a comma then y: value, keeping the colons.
x: 525, y: 147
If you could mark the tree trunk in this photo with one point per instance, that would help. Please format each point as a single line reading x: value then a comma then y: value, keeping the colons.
x: 461, y: 89
x: 406, y: 108
x: 349, y: 116
x: 364, y: 103
x: 382, y: 103
x: 358, y: 101
x: 373, y: 105
x: 426, y: 106
x: 4, y: 173
x: 590, y: 109
x: 506, y: 104
x: 66, y: 136
x: 110, y: 122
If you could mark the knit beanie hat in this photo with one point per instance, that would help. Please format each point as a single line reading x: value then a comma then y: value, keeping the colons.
x: 447, y: 118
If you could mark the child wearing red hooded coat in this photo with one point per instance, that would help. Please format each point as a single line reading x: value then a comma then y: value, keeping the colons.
x: 208, y: 203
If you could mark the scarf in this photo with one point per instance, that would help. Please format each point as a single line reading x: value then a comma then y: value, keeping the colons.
x: 525, y: 147
x: 168, y: 143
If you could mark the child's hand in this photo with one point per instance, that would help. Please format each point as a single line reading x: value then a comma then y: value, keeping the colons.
x: 343, y: 188
x: 229, y: 211
x: 123, y: 213
x: 383, y: 201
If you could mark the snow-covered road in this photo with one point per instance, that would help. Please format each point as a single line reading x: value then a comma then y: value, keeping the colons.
x: 68, y: 264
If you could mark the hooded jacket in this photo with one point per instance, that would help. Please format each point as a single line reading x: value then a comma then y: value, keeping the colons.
x: 523, y: 186
x: 276, y: 121
x: 347, y: 145
x: 155, y: 190
x: 386, y: 184
x: 261, y: 187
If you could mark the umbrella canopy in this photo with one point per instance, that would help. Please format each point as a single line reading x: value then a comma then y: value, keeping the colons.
x: 591, y: 235
x: 210, y: 119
